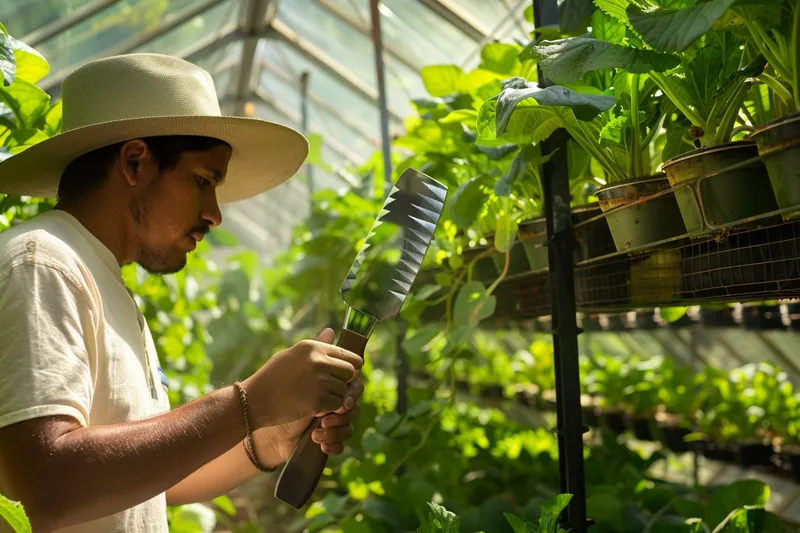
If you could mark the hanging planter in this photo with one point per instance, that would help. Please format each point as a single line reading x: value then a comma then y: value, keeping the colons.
x: 634, y: 218
x: 724, y: 196
x: 778, y: 144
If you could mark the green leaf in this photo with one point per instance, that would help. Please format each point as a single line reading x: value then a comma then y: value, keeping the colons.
x: 530, y: 123
x: 614, y: 129
x: 440, y: 519
x: 468, y: 201
x: 569, y: 60
x: 517, y: 524
x: 529, y: 14
x: 688, y: 508
x: 442, y: 80
x: 675, y: 30
x: 501, y: 58
x: 673, y: 314
x: 529, y: 155
x: 615, y: 8
x: 584, y: 106
x: 225, y: 503
x: 21, y: 139
x: 31, y: 65
x: 607, y: 28
x: 573, y: 14
x: 14, y: 513
x: 26, y: 100
x: 8, y: 62
x: 750, y: 520
x: 415, y: 344
x: 737, y: 494
x: 551, y: 510
x: 3, y: 29
x: 472, y: 305
x: 386, y: 422
x: 460, y: 115
x: 505, y: 232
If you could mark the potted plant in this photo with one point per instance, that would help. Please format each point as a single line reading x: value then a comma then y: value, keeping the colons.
x: 774, y: 30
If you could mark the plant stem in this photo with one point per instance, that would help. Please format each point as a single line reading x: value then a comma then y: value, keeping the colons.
x: 636, y: 150
x: 766, y: 46
x: 734, y: 104
x: 779, y: 89
x: 664, y: 84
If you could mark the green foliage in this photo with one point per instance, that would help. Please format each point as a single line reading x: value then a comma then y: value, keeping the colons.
x: 14, y: 514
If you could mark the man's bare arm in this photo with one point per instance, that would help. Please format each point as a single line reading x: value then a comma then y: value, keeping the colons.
x: 66, y: 474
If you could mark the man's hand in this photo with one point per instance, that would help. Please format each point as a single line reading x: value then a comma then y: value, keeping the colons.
x: 274, y: 444
x: 308, y: 379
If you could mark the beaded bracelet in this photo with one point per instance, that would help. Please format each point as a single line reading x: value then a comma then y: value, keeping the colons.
x: 247, y: 443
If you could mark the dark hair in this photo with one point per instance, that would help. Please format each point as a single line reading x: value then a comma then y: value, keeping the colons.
x: 90, y: 170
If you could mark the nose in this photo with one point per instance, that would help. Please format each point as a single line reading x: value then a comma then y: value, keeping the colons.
x: 211, y: 214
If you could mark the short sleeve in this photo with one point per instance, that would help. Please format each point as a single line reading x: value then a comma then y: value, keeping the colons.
x: 46, y: 345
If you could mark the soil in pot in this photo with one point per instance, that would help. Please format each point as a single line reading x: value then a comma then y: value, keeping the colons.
x: 778, y: 144
x: 728, y: 196
x: 755, y: 454
x: 647, y: 220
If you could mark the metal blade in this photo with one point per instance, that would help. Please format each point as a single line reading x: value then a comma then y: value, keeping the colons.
x: 387, y: 264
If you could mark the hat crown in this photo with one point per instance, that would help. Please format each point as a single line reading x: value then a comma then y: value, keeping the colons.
x: 136, y: 86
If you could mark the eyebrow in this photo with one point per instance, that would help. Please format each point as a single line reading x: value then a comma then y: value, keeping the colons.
x: 216, y: 174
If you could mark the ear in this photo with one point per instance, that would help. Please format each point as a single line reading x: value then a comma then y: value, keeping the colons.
x: 132, y: 155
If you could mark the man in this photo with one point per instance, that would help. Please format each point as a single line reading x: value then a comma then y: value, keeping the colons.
x: 87, y: 439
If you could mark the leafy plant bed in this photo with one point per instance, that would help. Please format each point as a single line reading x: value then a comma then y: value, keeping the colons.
x: 724, y: 196
x: 636, y: 217
x: 778, y: 144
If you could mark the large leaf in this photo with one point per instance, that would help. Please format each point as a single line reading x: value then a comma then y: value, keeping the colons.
x: 530, y: 154
x: 14, y: 514
x: 31, y: 65
x: 568, y: 60
x: 8, y: 63
x: 505, y: 232
x: 750, y: 520
x: 615, y: 8
x: 467, y: 201
x: 472, y: 305
x: 529, y: 123
x: 501, y: 58
x: 573, y: 14
x: 26, y: 100
x: 607, y: 28
x: 584, y: 106
x: 440, y: 519
x: 737, y: 494
x: 675, y: 30
x: 442, y: 80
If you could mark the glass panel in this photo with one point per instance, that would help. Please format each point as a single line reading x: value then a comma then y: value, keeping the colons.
x: 213, y: 22
x: 288, y: 98
x: 405, y: 30
x: 110, y: 27
x: 284, y: 62
x: 493, y: 18
x: 353, y: 50
x: 223, y: 64
x: 21, y: 17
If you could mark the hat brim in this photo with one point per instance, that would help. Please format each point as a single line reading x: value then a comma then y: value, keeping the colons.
x: 265, y: 154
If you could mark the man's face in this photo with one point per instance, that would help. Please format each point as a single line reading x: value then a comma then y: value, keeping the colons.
x: 177, y: 208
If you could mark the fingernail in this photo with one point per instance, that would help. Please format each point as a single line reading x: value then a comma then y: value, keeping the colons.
x: 326, y: 422
x: 348, y: 402
x: 319, y: 434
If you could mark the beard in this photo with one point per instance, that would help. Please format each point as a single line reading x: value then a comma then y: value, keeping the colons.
x: 157, y: 261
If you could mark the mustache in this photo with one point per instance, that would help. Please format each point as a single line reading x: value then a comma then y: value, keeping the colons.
x: 202, y: 230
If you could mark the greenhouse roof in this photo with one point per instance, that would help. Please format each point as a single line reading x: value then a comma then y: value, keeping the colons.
x: 258, y: 51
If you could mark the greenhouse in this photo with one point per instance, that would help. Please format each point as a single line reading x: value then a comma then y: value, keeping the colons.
x: 561, y: 299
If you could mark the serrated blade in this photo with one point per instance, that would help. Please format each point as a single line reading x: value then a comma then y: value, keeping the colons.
x: 390, y: 258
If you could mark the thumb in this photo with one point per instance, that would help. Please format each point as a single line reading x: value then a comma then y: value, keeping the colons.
x: 326, y: 335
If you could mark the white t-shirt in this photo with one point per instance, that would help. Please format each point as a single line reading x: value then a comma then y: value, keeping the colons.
x: 74, y: 343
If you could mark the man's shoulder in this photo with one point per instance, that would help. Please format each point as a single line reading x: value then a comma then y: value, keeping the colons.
x: 36, y: 241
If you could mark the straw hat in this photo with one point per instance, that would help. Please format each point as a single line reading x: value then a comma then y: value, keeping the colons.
x: 142, y: 95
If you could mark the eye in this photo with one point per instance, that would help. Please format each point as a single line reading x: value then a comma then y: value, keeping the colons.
x: 204, y: 183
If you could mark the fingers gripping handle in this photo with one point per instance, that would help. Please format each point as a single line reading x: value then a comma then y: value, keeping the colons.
x: 301, y: 473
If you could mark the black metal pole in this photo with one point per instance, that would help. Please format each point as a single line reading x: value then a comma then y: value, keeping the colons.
x: 558, y: 215
x: 382, y: 102
x: 304, y: 125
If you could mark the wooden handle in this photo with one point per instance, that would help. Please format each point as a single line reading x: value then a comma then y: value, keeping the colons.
x: 301, y: 473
